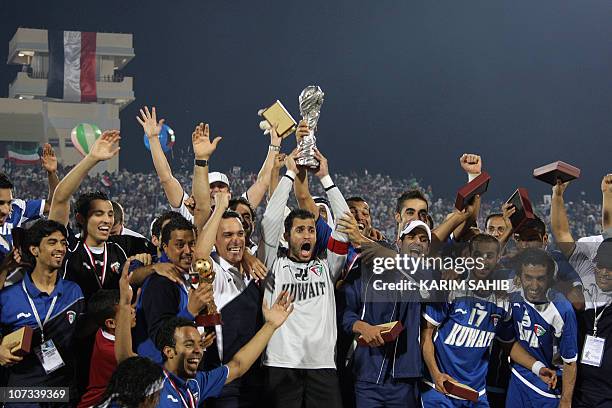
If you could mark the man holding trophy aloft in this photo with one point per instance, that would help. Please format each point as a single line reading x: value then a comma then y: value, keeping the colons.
x: 300, y: 356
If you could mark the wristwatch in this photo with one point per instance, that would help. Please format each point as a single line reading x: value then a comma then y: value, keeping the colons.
x: 201, y: 163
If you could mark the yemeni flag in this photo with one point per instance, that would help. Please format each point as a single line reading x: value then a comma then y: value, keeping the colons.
x: 72, y: 66
x: 23, y: 156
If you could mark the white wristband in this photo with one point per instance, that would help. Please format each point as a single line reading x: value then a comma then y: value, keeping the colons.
x: 291, y: 174
x: 535, y: 368
x: 327, y: 181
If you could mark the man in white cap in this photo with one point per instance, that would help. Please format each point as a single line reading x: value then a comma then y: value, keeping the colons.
x: 386, y: 373
x: 179, y: 200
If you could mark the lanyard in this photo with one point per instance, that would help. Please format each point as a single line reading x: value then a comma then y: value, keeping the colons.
x: 597, y: 317
x: 93, y: 263
x: 192, y: 403
x: 42, y: 335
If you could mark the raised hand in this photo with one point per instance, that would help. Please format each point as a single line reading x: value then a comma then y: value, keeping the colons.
x: 559, y: 188
x: 203, y: 148
x: 125, y: 290
x: 275, y: 139
x: 222, y: 200
x: 149, y: 123
x: 290, y: 161
x: 301, y: 131
x: 606, y: 184
x: 323, y: 166
x: 48, y: 160
x: 280, y: 310
x: 471, y: 163
x: 279, y: 161
x: 106, y: 147
x: 508, y: 210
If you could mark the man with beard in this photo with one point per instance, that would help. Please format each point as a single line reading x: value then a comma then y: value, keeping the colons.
x: 94, y: 260
x: 48, y: 304
x: 464, y: 326
x: 533, y: 235
x: 164, y: 297
x: 386, y: 374
x: 182, y: 350
x: 544, y: 324
x: 300, y: 356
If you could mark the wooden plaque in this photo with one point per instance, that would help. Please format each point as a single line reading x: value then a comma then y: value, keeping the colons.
x: 557, y: 170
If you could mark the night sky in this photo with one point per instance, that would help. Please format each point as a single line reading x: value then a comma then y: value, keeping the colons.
x: 409, y: 85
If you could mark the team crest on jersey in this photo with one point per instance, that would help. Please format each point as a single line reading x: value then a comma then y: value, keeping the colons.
x: 539, y: 330
x: 316, y: 269
x: 115, y: 267
x: 71, y: 316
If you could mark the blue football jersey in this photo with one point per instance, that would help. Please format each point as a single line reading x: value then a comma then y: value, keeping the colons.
x: 21, y: 211
x: 466, y: 327
x: 547, y: 331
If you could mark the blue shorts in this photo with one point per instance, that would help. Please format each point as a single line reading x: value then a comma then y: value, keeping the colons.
x: 522, y: 396
x: 391, y: 393
x: 433, y: 399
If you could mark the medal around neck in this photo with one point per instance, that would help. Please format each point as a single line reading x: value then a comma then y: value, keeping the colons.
x: 310, y: 101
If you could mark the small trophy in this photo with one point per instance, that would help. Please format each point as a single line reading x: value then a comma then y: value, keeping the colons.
x: 311, y: 100
x: 203, y: 271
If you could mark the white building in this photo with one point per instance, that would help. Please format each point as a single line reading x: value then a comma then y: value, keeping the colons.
x: 28, y: 118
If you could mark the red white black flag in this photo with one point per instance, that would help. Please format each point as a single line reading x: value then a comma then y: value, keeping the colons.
x: 72, y: 66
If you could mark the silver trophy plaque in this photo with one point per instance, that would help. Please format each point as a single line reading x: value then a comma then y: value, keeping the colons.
x: 311, y: 100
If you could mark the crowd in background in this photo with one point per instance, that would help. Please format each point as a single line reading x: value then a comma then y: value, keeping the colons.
x: 140, y: 195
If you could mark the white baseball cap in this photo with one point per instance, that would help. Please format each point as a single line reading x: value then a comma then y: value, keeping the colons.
x: 415, y: 224
x: 216, y: 177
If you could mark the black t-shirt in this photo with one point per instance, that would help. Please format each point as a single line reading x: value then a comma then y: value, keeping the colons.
x: 594, y: 384
x: 78, y: 265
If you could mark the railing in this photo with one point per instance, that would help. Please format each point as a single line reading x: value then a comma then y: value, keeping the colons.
x: 116, y: 77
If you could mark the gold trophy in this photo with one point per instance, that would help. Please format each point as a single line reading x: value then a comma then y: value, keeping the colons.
x: 203, y: 271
